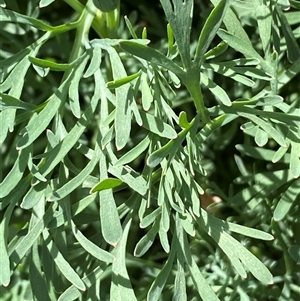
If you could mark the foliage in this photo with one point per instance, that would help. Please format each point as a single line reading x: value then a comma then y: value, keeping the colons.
x: 113, y: 134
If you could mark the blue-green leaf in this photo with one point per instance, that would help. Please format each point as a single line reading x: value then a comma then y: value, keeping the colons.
x: 209, y: 30
x: 179, y: 16
x: 157, y: 126
x: 90, y: 247
x: 287, y: 200
x: 151, y: 55
x: 62, y: 263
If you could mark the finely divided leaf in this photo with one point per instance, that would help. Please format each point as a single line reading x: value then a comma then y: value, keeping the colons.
x: 180, y: 19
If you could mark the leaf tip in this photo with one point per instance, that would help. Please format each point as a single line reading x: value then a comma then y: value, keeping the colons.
x: 5, y: 283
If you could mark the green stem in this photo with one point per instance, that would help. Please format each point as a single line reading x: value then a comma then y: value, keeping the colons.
x: 105, y: 24
x: 192, y: 83
x: 85, y: 23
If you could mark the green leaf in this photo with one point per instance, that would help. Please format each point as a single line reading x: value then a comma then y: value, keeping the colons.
x: 219, y: 93
x: 187, y: 224
x: 157, y: 126
x: 130, y: 177
x: 130, y: 27
x: 157, y: 156
x: 124, y: 97
x: 279, y: 154
x: 133, y: 153
x: 9, y: 102
x: 265, y: 183
x: 180, y: 284
x: 236, y: 43
x: 37, y: 280
x: 183, y: 122
x: 180, y: 19
x: 150, y: 218
x: 95, y: 61
x: 209, y: 30
x: 163, y: 237
x: 261, y: 153
x: 147, y: 97
x: 165, y: 218
x: 62, y: 263
x: 78, y: 207
x: 146, y: 241
x: 237, y: 253
x: 234, y: 25
x: 293, y: 50
x: 261, y: 137
x: 7, y: 15
x: 122, y: 81
x: 216, y: 51
x: 74, y: 183
x: 267, y: 127
x: 32, y: 131
x: 34, y: 195
x: 90, y: 247
x: 42, y: 72
x: 105, y: 184
x: 270, y: 100
x: 56, y: 154
x: 295, y: 159
x: 252, y: 72
x: 44, y: 3
x: 185, y: 257
x: 155, y: 291
x: 286, y: 201
x: 223, y: 69
x: 6, y: 119
x: 264, y: 21
x: 8, y: 64
x: 294, y: 251
x: 170, y: 148
x: 5, y: 262
x: 247, y: 231
x: 73, y: 293
x: 15, y: 174
x: 25, y: 243
x: 49, y: 64
x: 109, y: 216
x: 247, y: 50
x: 74, y: 88
x: 121, y: 288
x: 151, y: 55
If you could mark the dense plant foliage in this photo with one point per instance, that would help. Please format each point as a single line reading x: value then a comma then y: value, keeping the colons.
x: 150, y: 150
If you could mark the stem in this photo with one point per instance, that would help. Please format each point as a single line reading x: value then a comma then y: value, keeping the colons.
x: 83, y: 29
x: 105, y: 24
x: 192, y: 83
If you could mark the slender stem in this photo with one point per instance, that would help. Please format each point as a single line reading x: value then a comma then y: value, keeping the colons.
x: 83, y: 28
x: 192, y: 83
x: 105, y: 24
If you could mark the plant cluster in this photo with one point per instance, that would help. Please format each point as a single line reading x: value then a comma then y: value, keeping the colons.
x: 115, y: 130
